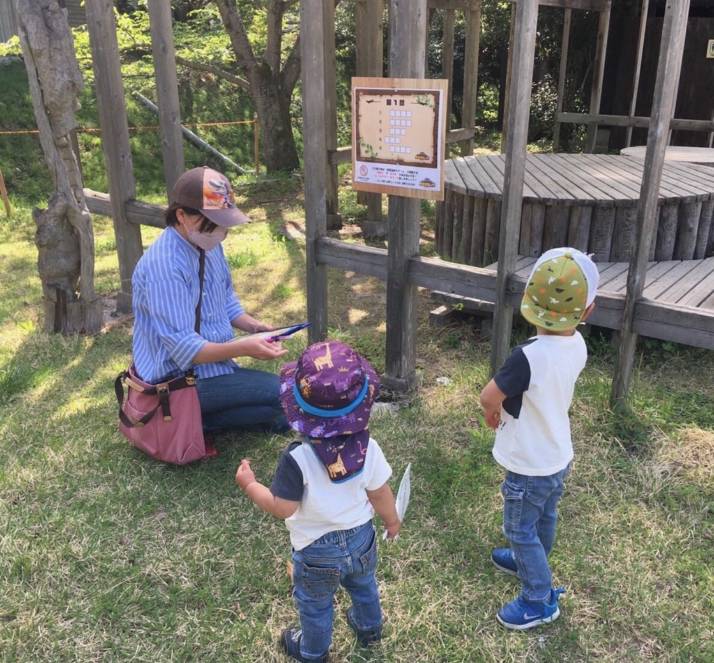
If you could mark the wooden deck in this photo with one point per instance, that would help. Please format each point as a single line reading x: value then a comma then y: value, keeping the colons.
x: 700, y: 155
x: 683, y: 282
x: 579, y: 179
x: 678, y: 301
x: 680, y: 291
x: 587, y: 201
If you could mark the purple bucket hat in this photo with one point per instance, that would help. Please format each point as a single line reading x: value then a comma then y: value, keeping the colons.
x: 329, y: 391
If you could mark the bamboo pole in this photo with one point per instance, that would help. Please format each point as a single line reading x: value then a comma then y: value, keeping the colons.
x: 562, y: 70
x: 256, y: 143
x: 5, y: 199
x: 192, y: 137
x: 598, y: 74
x: 638, y: 66
x: 473, y: 41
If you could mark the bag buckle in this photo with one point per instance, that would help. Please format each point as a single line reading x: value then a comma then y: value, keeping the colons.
x: 163, y: 392
x: 190, y: 380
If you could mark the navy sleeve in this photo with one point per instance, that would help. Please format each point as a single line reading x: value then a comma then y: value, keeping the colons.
x: 288, y: 482
x: 514, y: 376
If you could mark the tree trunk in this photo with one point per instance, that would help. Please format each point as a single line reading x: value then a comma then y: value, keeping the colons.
x: 65, y: 238
x: 272, y: 105
x: 271, y: 83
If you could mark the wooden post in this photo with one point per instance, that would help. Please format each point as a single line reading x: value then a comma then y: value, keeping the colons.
x: 115, y: 139
x: 509, y: 73
x: 162, y: 46
x: 516, y: 122
x: 638, y: 67
x: 674, y: 30
x: 312, y: 52
x: 447, y: 61
x: 5, y: 199
x: 473, y: 40
x: 598, y: 74
x: 334, y: 220
x: 407, y: 45
x: 562, y: 71
x: 369, y: 15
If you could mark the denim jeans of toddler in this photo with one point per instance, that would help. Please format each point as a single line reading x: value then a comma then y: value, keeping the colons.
x: 245, y: 398
x: 343, y: 557
x: 530, y: 517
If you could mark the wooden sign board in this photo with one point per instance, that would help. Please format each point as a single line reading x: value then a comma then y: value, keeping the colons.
x: 399, y: 136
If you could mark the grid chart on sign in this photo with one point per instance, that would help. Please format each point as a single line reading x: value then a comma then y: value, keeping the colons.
x: 397, y: 127
x: 399, y: 121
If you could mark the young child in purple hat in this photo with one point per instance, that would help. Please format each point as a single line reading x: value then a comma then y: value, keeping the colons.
x: 327, y: 487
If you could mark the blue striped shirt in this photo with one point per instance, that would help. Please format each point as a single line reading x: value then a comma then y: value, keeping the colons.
x: 165, y: 295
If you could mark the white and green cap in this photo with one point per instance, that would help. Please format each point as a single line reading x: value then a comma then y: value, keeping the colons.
x: 562, y: 284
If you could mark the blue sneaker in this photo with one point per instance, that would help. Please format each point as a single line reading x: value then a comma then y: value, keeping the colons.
x: 365, y: 637
x: 503, y: 560
x: 290, y: 641
x: 521, y: 615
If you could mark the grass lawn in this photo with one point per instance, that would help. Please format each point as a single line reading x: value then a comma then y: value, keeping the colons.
x: 108, y: 555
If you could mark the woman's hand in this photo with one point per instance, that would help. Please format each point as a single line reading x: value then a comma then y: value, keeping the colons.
x: 248, y: 323
x: 258, y: 348
x: 244, y: 475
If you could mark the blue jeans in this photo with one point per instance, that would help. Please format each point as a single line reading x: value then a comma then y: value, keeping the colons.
x: 530, y: 517
x: 343, y: 557
x: 243, y: 399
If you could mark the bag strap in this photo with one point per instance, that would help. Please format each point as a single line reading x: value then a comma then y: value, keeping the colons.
x: 119, y: 392
x: 163, y: 390
x: 201, y: 274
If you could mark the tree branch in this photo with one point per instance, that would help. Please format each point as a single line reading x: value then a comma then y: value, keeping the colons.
x: 216, y: 71
x: 238, y: 35
x: 291, y: 68
x: 275, y: 35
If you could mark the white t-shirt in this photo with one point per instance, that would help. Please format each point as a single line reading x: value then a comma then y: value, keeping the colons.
x: 326, y: 506
x: 533, y: 437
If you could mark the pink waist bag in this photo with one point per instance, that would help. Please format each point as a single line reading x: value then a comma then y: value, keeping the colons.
x: 163, y: 420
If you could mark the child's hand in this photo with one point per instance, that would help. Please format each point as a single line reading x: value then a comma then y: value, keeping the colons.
x: 393, y: 530
x: 491, y: 399
x: 244, y: 475
x: 493, y: 418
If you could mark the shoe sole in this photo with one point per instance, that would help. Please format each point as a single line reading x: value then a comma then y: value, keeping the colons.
x: 534, y: 623
x: 504, y: 569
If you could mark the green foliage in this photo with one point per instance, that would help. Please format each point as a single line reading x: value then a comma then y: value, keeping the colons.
x: 544, y: 100
x: 11, y: 48
x: 204, y: 98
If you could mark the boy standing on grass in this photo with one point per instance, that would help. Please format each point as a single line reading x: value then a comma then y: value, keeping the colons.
x: 327, y: 487
x: 527, y: 403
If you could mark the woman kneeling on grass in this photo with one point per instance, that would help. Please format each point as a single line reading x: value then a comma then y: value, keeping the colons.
x: 166, y: 287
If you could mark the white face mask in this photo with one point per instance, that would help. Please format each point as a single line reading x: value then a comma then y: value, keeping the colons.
x: 207, y: 241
